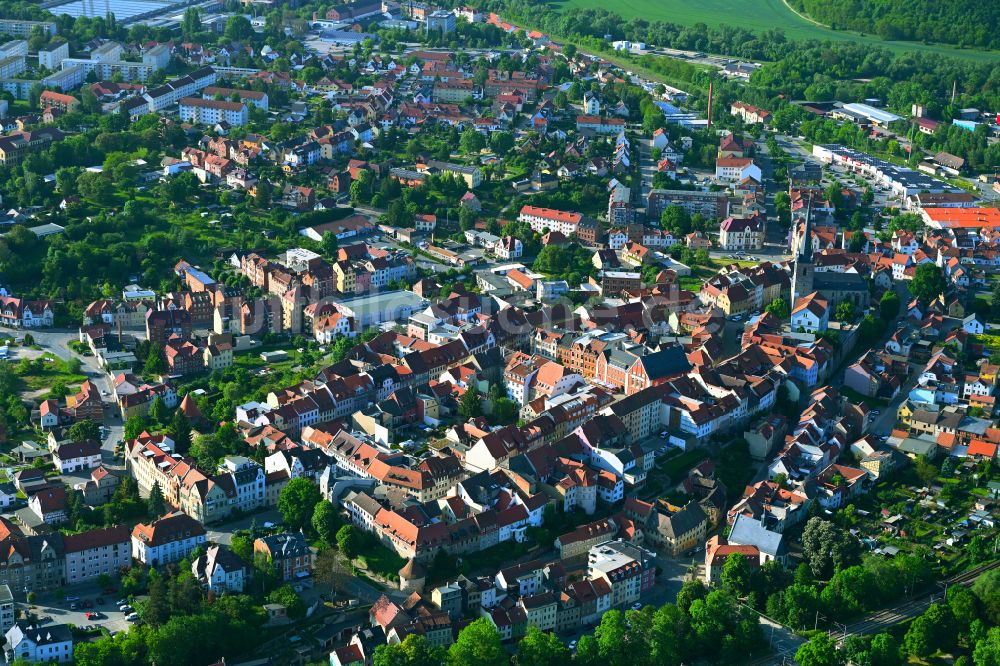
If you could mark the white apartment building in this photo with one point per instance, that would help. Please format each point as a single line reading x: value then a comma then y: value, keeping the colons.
x: 97, y: 552
x: 51, y: 57
x: 736, y: 233
x: 248, y: 480
x: 255, y: 98
x: 18, y: 47
x: 220, y: 570
x: 6, y: 609
x: 211, y: 112
x: 172, y: 92
x: 77, y: 456
x: 11, y: 65
x: 24, y: 28
x: 167, y: 539
x: 551, y: 219
x: 39, y: 643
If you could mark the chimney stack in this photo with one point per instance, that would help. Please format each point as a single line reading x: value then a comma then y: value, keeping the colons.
x: 710, y: 90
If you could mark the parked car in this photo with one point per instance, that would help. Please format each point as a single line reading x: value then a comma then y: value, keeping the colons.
x: 132, y: 617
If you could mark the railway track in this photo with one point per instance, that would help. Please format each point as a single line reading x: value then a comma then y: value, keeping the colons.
x: 878, y: 620
x: 881, y: 619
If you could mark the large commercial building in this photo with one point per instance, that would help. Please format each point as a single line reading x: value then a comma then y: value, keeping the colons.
x: 902, y: 180
x: 379, y: 308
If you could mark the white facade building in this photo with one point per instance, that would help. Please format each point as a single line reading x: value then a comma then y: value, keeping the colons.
x: 211, y: 112
x: 39, y: 643
x: 168, y: 539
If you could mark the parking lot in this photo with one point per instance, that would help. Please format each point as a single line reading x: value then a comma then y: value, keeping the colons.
x: 72, y: 610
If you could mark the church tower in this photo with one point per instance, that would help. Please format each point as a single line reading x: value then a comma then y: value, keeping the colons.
x: 802, y: 273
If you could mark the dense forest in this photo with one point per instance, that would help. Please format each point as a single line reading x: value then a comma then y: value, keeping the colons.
x: 962, y: 22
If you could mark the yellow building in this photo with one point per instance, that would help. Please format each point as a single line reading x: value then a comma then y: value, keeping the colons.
x: 344, y: 277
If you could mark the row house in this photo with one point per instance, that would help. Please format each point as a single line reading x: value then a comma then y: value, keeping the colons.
x: 151, y: 461
x: 101, y: 552
x: 20, y: 313
x: 124, y: 314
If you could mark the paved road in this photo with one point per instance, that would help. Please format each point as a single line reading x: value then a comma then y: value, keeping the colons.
x: 55, y: 341
x: 647, y: 168
x: 224, y: 533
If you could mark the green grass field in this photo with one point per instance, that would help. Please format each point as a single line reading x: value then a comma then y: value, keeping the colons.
x: 757, y: 15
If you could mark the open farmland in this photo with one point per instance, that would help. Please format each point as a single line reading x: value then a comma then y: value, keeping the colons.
x: 759, y: 15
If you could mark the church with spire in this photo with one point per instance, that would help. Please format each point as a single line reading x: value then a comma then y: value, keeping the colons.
x: 834, y: 287
x: 803, y: 270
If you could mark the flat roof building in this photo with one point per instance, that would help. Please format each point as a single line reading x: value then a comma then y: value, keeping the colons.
x: 375, y: 309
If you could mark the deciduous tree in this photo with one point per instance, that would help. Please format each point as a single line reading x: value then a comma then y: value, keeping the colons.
x: 297, y: 501
x: 325, y: 521
x: 539, y: 648
x: 470, y: 406
x: 478, y: 645
x: 819, y: 651
x: 85, y: 430
x: 928, y: 282
x: 779, y: 308
x: 347, y: 541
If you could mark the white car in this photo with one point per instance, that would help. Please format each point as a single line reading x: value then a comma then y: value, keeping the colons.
x: 572, y: 644
x: 132, y: 617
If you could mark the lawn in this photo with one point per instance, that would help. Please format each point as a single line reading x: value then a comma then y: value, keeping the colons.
x: 691, y: 283
x: 380, y: 560
x: 50, y: 371
x: 735, y: 468
x: 677, y: 466
x: 759, y: 15
x: 856, y: 397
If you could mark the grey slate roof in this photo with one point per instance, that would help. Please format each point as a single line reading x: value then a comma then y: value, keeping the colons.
x: 675, y: 524
x: 669, y: 361
x: 833, y: 281
x: 750, y: 532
